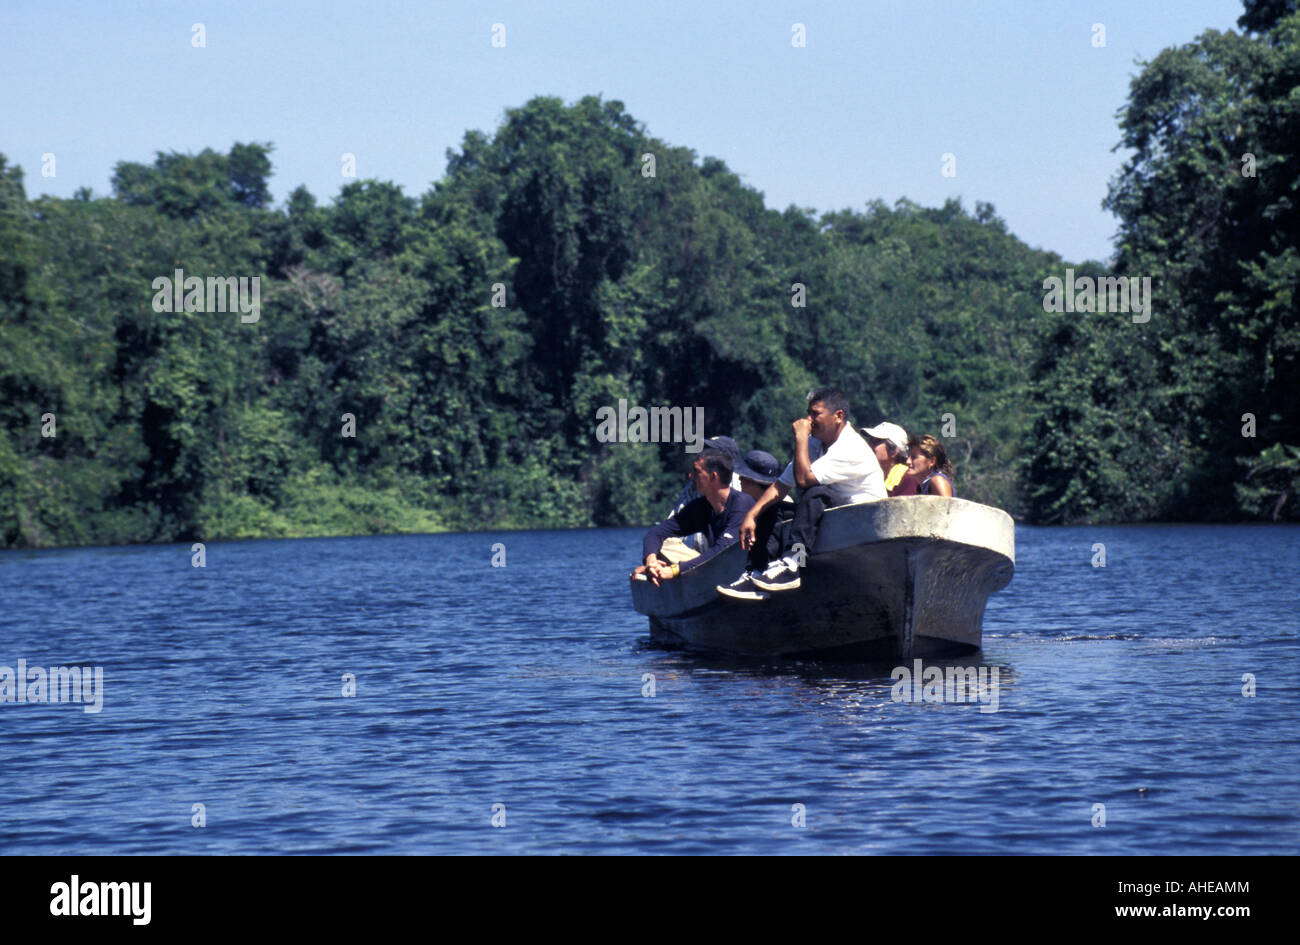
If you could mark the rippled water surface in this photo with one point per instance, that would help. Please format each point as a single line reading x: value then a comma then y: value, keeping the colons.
x: 522, y: 686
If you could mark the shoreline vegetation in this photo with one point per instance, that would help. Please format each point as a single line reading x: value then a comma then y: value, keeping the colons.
x: 389, y: 363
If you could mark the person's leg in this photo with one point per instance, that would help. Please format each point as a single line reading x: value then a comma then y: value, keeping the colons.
x: 807, y: 516
x: 771, y: 534
x: 676, y: 551
x: 698, y: 542
x: 781, y: 532
x: 768, y: 534
x: 766, y: 541
x: 783, y: 573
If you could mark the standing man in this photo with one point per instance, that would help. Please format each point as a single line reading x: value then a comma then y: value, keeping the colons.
x: 845, y: 474
x: 718, y: 513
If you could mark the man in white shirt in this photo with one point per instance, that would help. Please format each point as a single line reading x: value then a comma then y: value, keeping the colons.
x: 845, y: 474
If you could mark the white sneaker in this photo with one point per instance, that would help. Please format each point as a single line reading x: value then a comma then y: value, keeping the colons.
x: 778, y: 577
x: 742, y: 588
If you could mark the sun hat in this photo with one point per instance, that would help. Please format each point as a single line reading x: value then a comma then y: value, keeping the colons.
x: 759, y: 466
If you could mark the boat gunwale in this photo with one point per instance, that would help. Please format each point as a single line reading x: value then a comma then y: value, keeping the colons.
x: 906, y: 518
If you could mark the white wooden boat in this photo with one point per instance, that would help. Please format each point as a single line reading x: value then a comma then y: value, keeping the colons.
x: 896, y: 578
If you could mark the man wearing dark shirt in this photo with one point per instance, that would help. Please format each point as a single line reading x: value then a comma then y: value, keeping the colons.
x: 718, y: 512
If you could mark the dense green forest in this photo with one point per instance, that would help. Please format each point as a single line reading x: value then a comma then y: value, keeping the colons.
x: 437, y: 362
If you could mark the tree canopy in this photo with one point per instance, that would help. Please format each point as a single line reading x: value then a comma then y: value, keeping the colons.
x: 571, y: 259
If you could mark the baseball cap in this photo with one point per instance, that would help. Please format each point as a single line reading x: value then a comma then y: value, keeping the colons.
x: 890, y: 432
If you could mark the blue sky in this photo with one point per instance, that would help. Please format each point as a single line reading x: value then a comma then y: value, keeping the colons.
x: 1015, y: 90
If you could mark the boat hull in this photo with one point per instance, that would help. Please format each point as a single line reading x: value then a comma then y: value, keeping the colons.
x: 898, y: 578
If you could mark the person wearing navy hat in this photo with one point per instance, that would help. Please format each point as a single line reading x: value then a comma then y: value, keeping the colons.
x: 759, y: 468
x: 756, y: 472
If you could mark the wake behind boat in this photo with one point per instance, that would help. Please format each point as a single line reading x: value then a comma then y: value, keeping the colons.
x: 895, y: 578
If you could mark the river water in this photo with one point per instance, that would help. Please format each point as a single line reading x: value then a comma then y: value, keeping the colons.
x: 521, y: 694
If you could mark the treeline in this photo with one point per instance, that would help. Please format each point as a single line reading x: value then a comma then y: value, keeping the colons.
x: 437, y: 362
x: 1193, y: 415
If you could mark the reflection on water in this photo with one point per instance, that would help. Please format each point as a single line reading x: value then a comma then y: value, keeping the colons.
x: 534, y: 686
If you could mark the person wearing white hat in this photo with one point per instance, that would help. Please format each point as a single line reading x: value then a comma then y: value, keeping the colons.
x: 889, y: 441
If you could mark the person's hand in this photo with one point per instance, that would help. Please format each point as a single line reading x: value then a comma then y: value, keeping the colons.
x: 651, y: 571
x: 655, y: 571
x: 660, y: 572
x: 802, y: 428
x: 748, y: 528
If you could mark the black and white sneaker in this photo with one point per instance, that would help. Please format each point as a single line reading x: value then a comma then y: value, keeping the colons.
x: 742, y: 588
x: 778, y: 577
